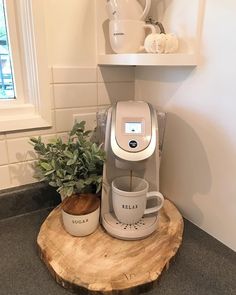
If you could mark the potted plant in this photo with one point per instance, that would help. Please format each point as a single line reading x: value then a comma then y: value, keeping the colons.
x: 74, y: 167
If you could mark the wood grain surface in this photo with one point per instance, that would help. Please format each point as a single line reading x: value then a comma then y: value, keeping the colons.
x: 100, y: 264
x: 81, y: 204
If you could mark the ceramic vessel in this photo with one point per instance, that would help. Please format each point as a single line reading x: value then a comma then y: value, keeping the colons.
x: 80, y: 214
x: 130, y: 200
x: 127, y: 36
x: 81, y: 225
x: 127, y: 9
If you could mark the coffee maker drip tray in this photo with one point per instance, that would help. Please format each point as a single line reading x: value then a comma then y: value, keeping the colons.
x: 139, y: 230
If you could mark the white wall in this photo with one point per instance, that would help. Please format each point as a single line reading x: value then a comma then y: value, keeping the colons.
x: 71, y: 32
x: 198, y: 171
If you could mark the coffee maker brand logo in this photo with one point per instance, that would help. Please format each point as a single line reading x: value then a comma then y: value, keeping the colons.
x: 118, y: 34
x: 130, y: 207
x: 133, y: 144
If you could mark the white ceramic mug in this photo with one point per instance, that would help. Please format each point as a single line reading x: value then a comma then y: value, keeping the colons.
x: 127, y: 36
x: 130, y: 206
x: 127, y: 9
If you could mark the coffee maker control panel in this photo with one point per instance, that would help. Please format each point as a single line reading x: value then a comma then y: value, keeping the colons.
x: 133, y: 126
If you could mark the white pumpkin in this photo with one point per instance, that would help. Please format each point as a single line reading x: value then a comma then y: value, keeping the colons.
x: 155, y: 43
x: 161, y: 43
x: 171, y: 43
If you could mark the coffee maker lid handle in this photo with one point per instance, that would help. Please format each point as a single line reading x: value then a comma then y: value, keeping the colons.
x: 146, y: 9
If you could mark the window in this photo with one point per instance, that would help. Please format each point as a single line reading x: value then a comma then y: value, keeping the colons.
x: 25, y: 102
x: 6, y: 75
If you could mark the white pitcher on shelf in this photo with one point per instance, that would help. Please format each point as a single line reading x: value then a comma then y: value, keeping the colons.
x: 127, y: 9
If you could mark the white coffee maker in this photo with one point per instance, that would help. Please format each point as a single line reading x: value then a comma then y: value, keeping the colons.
x: 131, y: 144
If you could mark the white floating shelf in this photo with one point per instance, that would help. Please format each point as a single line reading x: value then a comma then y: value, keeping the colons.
x: 148, y: 59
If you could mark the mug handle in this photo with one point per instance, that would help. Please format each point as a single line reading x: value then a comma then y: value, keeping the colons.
x: 154, y: 195
x: 153, y: 31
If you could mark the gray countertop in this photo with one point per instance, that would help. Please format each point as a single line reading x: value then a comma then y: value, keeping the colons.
x: 203, y: 265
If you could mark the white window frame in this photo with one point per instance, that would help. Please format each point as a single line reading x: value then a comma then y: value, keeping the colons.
x: 32, y: 107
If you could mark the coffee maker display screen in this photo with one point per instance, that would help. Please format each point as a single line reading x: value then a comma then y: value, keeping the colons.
x: 133, y: 127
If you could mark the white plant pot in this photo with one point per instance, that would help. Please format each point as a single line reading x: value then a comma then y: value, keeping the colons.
x: 81, y: 225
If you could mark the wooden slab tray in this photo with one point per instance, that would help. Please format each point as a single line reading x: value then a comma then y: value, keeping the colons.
x: 100, y: 264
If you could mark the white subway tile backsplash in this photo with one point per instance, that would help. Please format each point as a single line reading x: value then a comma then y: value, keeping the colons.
x: 22, y: 173
x: 20, y: 150
x: 50, y: 75
x: 109, y: 93
x: 116, y: 74
x: 74, y: 75
x: 52, y: 97
x: 3, y: 153
x: 89, y: 118
x: 5, y: 181
x: 65, y: 120
x: 75, y: 95
x: 48, y: 138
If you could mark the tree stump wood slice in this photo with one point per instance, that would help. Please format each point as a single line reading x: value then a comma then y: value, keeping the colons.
x: 101, y: 264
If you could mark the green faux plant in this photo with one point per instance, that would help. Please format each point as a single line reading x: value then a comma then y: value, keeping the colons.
x: 74, y: 166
